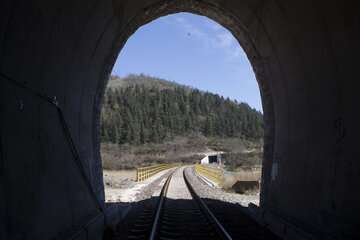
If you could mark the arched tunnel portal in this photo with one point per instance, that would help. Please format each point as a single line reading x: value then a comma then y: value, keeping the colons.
x: 55, y: 59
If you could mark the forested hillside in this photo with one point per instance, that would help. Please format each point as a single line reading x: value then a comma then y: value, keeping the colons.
x: 141, y: 109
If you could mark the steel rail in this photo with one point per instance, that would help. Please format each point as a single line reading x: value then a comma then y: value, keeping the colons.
x: 159, y: 208
x: 212, y: 218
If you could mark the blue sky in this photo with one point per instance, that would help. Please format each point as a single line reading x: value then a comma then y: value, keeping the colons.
x: 191, y: 50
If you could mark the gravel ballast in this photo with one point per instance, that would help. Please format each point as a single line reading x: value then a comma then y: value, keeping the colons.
x: 177, y: 188
x: 206, y: 191
x: 124, y: 190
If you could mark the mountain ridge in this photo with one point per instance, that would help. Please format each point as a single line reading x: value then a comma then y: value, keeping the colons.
x: 143, y: 80
x: 147, y: 81
x: 141, y: 109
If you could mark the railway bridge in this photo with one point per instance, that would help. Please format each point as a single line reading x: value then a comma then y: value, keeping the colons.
x: 55, y: 59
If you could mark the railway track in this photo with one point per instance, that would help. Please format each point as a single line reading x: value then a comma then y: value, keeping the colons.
x: 181, y: 214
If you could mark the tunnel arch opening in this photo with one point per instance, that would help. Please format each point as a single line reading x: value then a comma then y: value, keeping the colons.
x: 306, y: 65
x: 229, y: 21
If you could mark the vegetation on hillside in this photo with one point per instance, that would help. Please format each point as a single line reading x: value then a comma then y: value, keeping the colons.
x: 140, y: 109
x: 178, y: 150
x: 240, y: 153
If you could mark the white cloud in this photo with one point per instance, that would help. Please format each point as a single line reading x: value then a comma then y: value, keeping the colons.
x: 215, y: 26
x: 215, y: 37
x: 179, y: 19
x: 238, y: 52
x: 225, y: 39
x: 191, y: 29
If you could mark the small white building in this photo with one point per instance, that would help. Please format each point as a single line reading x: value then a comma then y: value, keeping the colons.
x: 212, y: 158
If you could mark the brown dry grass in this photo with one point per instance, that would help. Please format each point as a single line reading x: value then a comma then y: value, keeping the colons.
x: 131, y: 174
x: 126, y: 157
x: 241, y: 154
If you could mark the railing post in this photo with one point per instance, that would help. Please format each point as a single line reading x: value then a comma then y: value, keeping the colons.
x: 145, y: 172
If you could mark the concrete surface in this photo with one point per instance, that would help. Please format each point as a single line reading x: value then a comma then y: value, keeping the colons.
x: 305, y: 56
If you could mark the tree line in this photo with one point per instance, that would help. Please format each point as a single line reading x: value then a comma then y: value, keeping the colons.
x: 139, y: 114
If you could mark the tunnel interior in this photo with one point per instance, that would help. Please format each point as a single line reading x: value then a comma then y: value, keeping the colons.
x: 213, y: 159
x: 55, y: 59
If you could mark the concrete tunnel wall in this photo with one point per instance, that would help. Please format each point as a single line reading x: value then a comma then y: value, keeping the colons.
x: 305, y: 56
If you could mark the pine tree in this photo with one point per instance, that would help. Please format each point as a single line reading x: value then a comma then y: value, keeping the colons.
x: 139, y: 114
